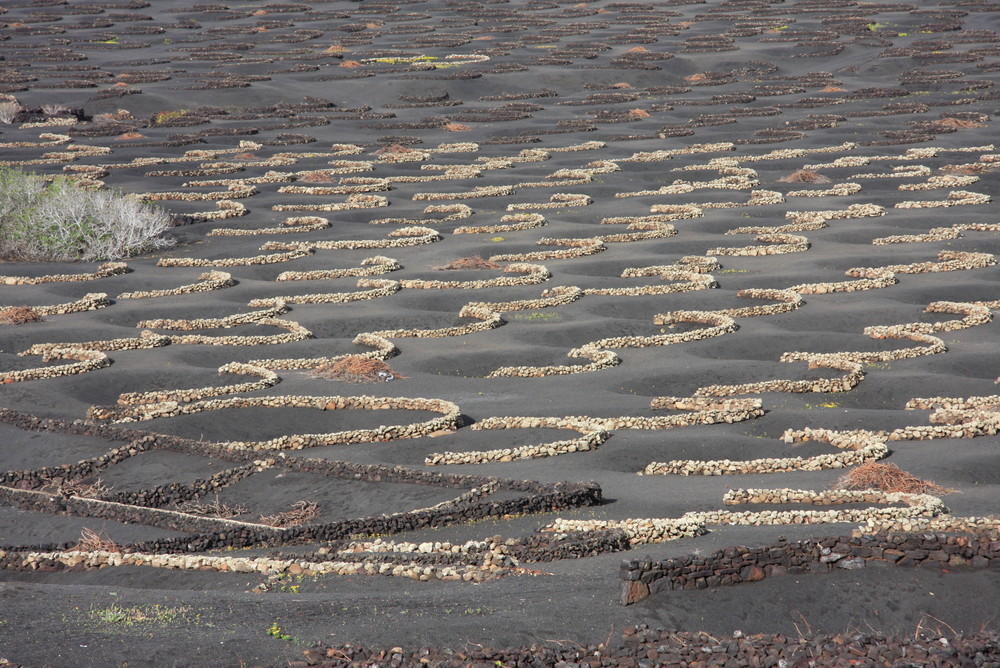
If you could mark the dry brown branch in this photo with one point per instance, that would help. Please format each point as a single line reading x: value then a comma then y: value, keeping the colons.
x: 215, y: 508
x: 471, y: 262
x: 18, y: 315
x: 300, y: 513
x: 93, y: 490
x: 357, y: 369
x: 96, y: 541
x: 804, y: 176
x: 887, y: 478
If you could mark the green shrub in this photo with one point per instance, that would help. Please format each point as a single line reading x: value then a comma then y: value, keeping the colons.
x: 61, y: 221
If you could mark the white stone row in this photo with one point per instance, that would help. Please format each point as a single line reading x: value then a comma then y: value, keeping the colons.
x: 259, y: 565
x: 557, y: 296
x: 146, y: 339
x: 383, y: 350
x: 838, y: 190
x: 399, y: 238
x: 235, y: 320
x: 89, y: 302
x: 781, y: 243
x: 943, y: 181
x: 487, y: 320
x: 268, y: 378
x: 355, y: 201
x: 530, y: 274
x: 513, y: 222
x: 576, y: 248
x: 955, y: 198
x: 854, y: 374
x: 370, y: 266
x: 235, y: 191
x: 472, y: 193
x: 448, y: 420
x: 947, y: 261
x: 376, y: 289
x: 89, y: 360
x: 103, y: 271
x: 294, y: 332
x: 556, y: 201
x: 593, y: 435
x: 294, y: 225
x: 210, y: 280
x: 271, y: 258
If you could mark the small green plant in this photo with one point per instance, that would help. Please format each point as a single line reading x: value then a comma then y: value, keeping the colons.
x: 497, y: 240
x: 167, y: 116
x: 476, y: 611
x: 118, y: 615
x: 275, y: 631
x: 113, y: 40
x: 60, y: 221
x: 402, y: 60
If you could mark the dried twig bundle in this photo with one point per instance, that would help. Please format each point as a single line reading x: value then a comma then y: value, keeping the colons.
x: 804, y: 176
x: 96, y: 541
x: 887, y: 478
x: 18, y: 315
x: 357, y: 369
x: 300, y: 513
x: 471, y: 262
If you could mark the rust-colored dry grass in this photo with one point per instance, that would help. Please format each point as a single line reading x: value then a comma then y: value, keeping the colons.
x: 804, y: 176
x: 696, y: 78
x: 622, y: 85
x: 301, y: 512
x: 887, y: 478
x: 129, y: 136
x: 357, y: 369
x: 957, y: 123
x: 317, y: 176
x: 471, y: 262
x: 350, y: 64
x: 95, y: 541
x: 114, y: 116
x: 394, y: 149
x: 832, y: 89
x: 18, y: 315
x: 969, y: 169
x: 639, y: 113
x: 457, y: 127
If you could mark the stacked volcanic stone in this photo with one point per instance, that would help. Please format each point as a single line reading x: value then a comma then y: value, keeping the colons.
x: 639, y: 646
x: 734, y: 565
